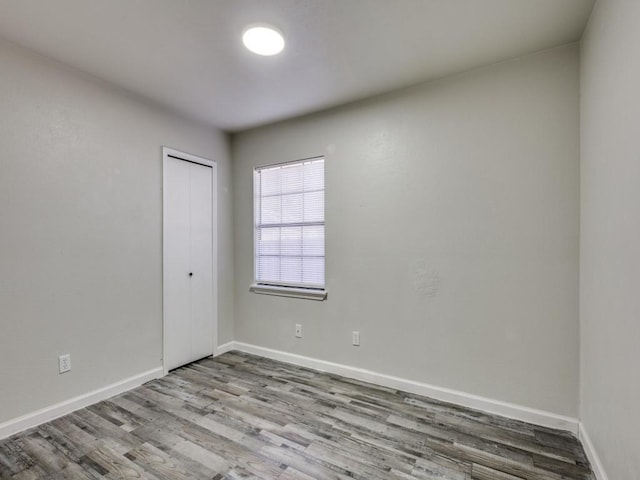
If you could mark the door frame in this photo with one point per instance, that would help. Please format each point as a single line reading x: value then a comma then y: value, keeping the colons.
x: 187, y: 157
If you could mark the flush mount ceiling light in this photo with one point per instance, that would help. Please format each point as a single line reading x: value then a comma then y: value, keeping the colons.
x: 263, y: 39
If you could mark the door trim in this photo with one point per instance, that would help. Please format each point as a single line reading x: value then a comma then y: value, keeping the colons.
x: 187, y: 157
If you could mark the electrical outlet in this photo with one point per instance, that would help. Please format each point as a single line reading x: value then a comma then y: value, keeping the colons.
x: 298, y: 330
x: 355, y: 338
x: 64, y: 363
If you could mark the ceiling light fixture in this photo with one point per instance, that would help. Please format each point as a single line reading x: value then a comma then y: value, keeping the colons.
x: 263, y: 39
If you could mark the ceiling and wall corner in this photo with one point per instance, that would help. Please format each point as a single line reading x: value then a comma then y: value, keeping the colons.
x: 188, y: 55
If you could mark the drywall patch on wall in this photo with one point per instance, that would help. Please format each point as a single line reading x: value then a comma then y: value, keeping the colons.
x: 425, y: 280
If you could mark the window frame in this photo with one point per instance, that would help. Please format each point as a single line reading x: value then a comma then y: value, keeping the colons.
x: 285, y: 289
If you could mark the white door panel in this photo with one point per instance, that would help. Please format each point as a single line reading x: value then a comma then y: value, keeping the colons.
x: 189, y: 309
x: 201, y: 261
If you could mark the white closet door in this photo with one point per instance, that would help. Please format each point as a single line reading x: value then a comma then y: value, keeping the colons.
x: 201, y: 262
x: 188, y: 265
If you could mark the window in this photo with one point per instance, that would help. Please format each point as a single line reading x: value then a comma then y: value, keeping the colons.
x: 289, y: 229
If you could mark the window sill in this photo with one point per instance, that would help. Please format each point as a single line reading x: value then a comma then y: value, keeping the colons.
x: 305, y: 293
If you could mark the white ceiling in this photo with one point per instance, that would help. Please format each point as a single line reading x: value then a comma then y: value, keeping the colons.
x: 188, y: 55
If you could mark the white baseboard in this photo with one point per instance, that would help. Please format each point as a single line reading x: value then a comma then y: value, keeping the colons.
x: 488, y: 405
x: 47, y: 414
x: 497, y: 407
x: 592, y: 455
x: 224, y: 348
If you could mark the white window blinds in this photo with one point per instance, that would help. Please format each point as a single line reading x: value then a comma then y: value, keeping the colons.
x: 289, y: 224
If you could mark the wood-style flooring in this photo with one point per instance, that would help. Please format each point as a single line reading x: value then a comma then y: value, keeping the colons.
x: 240, y: 416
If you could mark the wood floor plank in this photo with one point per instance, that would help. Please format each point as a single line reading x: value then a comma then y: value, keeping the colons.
x: 480, y: 472
x: 240, y: 416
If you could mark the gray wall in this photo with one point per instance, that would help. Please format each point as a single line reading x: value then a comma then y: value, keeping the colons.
x: 81, y: 230
x: 452, y: 233
x: 610, y: 236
